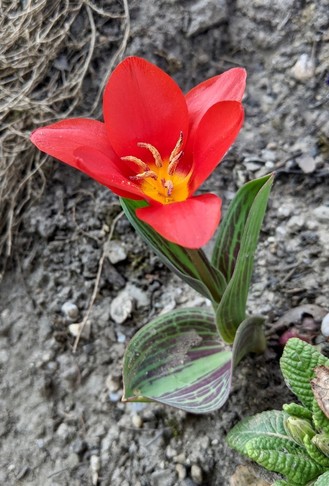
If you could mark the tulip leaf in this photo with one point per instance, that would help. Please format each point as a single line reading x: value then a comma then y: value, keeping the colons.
x: 231, y: 229
x: 180, y: 260
x: 263, y: 438
x: 249, y: 338
x: 178, y: 360
x: 231, y: 310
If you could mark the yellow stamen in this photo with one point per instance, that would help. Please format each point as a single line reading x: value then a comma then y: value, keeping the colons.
x: 159, y: 179
x: 154, y: 152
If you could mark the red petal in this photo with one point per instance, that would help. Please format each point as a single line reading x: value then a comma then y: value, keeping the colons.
x: 228, y: 86
x: 215, y: 134
x: 143, y: 104
x: 190, y: 223
x: 61, y: 139
x: 101, y: 168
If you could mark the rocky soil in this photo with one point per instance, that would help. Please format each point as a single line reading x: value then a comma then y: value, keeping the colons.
x: 62, y: 422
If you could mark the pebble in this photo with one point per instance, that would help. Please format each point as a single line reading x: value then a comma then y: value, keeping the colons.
x: 70, y: 310
x: 112, y: 383
x: 196, y: 474
x: 295, y: 223
x: 306, y: 163
x: 74, y: 329
x: 121, y: 307
x: 325, y: 326
x: 181, y: 471
x: 95, y: 465
x: 137, y: 421
x: 115, y: 396
x: 304, y: 68
x: 321, y: 213
x: 64, y: 431
x: 142, y: 298
x: 116, y: 251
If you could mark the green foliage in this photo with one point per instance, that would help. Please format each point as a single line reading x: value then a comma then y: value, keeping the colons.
x: 294, y: 442
x: 179, y: 359
x: 238, y: 252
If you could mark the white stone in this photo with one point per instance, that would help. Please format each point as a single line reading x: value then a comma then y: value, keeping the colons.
x: 196, y: 474
x: 70, y: 310
x: 121, y: 307
x: 181, y: 471
x: 137, y: 421
x: 306, y: 163
x: 116, y: 251
x: 325, y: 325
x: 75, y: 329
x: 304, y: 68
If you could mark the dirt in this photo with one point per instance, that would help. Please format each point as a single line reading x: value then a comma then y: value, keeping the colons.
x: 62, y: 422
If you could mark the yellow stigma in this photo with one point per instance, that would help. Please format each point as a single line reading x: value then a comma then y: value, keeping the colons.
x: 160, y: 179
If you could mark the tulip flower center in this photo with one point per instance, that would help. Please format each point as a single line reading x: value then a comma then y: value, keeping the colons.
x: 160, y: 180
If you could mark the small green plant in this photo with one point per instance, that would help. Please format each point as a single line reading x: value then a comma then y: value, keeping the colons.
x: 295, y: 441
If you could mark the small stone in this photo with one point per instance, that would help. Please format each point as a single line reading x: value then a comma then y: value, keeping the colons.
x: 325, y: 326
x: 181, y: 471
x: 121, y: 307
x: 306, y: 163
x: 75, y: 330
x: 112, y: 383
x: 95, y: 465
x: 170, y: 452
x: 295, y: 223
x: 304, y: 68
x: 321, y: 213
x: 116, y: 251
x: 137, y: 421
x: 64, y: 431
x: 4, y: 356
x: 196, y: 474
x: 70, y: 310
x: 115, y: 396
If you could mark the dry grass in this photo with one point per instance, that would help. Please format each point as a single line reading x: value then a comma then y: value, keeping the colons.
x: 46, y: 50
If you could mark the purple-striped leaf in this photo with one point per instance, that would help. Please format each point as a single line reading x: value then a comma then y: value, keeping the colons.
x: 178, y: 360
x: 231, y: 311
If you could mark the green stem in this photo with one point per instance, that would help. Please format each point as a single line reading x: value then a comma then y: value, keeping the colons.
x: 214, y: 281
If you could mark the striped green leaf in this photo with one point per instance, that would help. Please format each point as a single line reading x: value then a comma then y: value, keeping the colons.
x: 178, y: 360
x: 231, y: 229
x: 231, y: 310
x: 192, y: 266
x: 249, y: 338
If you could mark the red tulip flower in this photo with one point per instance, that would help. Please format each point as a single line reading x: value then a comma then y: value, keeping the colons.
x: 156, y: 145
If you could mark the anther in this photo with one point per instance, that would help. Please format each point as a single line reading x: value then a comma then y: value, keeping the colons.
x: 169, y: 186
x: 174, y: 162
x: 177, y: 147
x: 137, y: 161
x: 154, y: 152
x: 144, y: 175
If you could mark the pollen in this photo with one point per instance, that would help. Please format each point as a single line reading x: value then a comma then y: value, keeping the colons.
x: 160, y: 178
